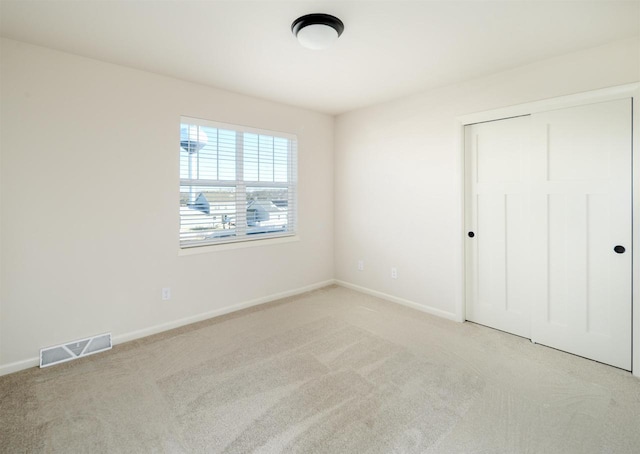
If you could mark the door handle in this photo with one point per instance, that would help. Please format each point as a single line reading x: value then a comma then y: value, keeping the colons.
x: 619, y: 249
x: 471, y: 234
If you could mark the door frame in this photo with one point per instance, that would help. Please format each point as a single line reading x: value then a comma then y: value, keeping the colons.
x: 578, y: 99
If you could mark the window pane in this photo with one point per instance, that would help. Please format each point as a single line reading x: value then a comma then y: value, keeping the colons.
x: 251, y: 163
x: 226, y: 155
x: 207, y: 157
x: 207, y: 153
x: 280, y: 160
x: 192, y: 140
x: 266, y: 158
x: 207, y: 213
x: 267, y: 210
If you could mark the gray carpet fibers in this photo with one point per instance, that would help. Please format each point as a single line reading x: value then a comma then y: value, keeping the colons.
x: 330, y: 371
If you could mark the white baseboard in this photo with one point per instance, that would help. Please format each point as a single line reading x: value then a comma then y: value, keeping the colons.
x: 125, y: 337
x: 120, y: 338
x: 35, y: 361
x: 394, y: 299
x: 19, y: 365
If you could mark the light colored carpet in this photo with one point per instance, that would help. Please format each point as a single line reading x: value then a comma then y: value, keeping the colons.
x: 330, y: 371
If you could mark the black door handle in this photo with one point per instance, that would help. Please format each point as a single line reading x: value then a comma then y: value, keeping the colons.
x: 619, y: 249
x: 471, y: 234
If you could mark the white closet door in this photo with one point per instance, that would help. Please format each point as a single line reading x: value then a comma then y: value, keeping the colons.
x: 548, y: 198
x: 581, y: 211
x: 497, y: 167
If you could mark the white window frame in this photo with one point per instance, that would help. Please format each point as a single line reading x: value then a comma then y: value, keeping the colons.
x: 241, y: 185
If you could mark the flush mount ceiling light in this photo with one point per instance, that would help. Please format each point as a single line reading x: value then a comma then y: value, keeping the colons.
x: 317, y: 31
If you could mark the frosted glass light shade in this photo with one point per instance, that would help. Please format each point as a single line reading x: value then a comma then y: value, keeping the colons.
x: 317, y: 36
x: 317, y: 31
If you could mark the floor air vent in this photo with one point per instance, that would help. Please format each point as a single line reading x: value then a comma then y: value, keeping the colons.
x: 76, y: 349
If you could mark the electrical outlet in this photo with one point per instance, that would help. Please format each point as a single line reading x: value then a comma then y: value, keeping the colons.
x: 360, y: 265
x: 166, y: 293
x: 394, y: 272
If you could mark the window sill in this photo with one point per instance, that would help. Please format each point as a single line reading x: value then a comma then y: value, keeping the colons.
x: 237, y: 245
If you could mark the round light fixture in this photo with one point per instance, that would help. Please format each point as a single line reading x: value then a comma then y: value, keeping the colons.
x: 317, y: 31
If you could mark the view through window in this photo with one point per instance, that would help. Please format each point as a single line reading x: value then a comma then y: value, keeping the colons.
x: 236, y: 183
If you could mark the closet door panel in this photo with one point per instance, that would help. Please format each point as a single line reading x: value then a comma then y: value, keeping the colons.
x: 497, y: 163
x: 580, y: 213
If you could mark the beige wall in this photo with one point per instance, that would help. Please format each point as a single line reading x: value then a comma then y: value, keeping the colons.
x: 89, y: 173
x: 398, y: 183
x: 89, y: 177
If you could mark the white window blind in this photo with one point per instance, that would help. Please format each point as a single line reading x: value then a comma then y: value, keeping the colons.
x: 236, y: 183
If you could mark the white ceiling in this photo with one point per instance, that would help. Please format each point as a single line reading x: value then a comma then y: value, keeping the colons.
x: 389, y: 48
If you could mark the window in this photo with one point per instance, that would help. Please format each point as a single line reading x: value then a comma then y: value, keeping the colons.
x: 236, y: 183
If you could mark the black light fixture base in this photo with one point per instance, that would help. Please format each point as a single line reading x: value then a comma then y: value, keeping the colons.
x: 317, y: 19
